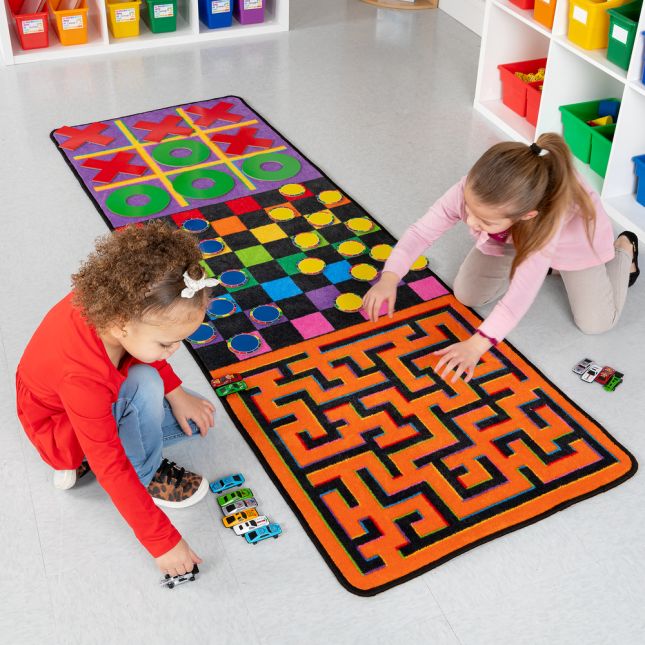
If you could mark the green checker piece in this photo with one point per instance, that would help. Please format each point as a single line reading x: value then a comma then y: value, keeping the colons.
x: 290, y: 263
x: 242, y: 493
x: 253, y: 255
x: 156, y: 199
x: 231, y: 388
x: 288, y: 166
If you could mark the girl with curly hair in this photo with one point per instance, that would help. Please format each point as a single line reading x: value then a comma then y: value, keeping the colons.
x: 94, y: 390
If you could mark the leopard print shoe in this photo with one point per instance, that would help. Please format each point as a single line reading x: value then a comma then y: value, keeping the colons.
x: 175, y: 487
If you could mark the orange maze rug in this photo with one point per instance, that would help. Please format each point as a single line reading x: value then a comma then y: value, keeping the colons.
x: 390, y: 469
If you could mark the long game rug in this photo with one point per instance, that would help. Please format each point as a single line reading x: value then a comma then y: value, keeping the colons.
x: 390, y: 469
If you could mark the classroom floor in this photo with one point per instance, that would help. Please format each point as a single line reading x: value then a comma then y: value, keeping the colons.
x: 381, y: 101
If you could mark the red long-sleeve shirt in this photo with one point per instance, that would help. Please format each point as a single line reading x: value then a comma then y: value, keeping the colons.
x: 66, y: 385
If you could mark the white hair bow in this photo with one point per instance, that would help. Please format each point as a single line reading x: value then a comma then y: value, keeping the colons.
x: 193, y: 286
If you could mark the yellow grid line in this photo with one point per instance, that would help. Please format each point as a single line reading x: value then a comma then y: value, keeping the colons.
x: 216, y: 150
x: 138, y: 180
x: 147, y: 144
x: 151, y: 162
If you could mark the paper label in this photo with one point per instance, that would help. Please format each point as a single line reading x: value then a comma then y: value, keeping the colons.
x: 580, y: 14
x: 72, y: 22
x: 33, y: 26
x: 125, y: 15
x: 252, y: 4
x: 546, y: 1
x: 220, y: 6
x: 164, y: 10
x: 620, y: 34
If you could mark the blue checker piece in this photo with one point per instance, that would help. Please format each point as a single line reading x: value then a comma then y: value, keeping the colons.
x: 281, y: 288
x: 338, y: 271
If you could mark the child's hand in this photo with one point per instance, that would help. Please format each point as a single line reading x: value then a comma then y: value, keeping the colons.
x: 383, y: 291
x: 462, y: 357
x: 186, y: 406
x: 179, y: 560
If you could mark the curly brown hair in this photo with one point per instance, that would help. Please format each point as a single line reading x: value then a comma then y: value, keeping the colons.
x: 138, y: 272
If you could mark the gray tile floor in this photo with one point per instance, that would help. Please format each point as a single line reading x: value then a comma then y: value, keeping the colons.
x: 381, y: 101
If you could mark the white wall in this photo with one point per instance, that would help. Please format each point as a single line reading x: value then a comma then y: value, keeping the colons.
x: 468, y: 12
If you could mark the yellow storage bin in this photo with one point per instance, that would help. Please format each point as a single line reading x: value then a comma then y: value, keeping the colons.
x: 123, y: 18
x: 589, y: 22
x: 70, y: 24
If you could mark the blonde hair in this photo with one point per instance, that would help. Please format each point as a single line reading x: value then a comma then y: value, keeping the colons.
x: 514, y: 175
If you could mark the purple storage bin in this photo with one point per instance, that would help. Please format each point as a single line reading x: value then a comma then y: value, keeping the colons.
x: 249, y: 12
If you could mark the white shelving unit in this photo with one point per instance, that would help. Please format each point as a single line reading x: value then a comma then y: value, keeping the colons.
x: 573, y: 75
x: 100, y: 41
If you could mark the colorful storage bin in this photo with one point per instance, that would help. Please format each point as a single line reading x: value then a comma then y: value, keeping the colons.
x: 216, y: 14
x: 161, y: 15
x: 602, y: 138
x: 249, y: 12
x: 544, y: 12
x: 514, y: 89
x: 523, y: 4
x: 70, y: 24
x: 623, y: 25
x: 576, y: 132
x: 589, y: 22
x: 32, y: 27
x: 123, y: 18
x: 639, y: 169
x: 533, y: 98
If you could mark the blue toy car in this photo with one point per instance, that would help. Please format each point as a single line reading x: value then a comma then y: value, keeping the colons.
x: 225, y: 483
x: 263, y: 533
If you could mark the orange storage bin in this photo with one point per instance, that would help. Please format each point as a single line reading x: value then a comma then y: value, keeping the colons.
x: 70, y: 24
x: 32, y: 26
x: 544, y: 11
x: 589, y: 22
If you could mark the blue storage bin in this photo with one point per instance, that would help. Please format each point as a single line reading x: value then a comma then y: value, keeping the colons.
x: 216, y: 13
x: 643, y: 32
x: 639, y: 169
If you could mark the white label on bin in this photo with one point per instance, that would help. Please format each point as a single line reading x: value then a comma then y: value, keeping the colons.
x: 580, y: 14
x: 620, y: 34
x: 220, y: 6
x: 252, y: 4
x: 125, y: 15
x: 164, y: 11
x: 33, y: 26
x: 546, y: 1
x: 72, y: 22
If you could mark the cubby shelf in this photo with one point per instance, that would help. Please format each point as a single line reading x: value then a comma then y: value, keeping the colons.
x: 100, y: 41
x: 573, y: 75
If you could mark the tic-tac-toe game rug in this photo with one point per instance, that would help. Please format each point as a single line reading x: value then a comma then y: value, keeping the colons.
x: 390, y: 469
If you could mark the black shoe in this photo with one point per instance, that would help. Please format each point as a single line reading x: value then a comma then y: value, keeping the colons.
x: 633, y: 238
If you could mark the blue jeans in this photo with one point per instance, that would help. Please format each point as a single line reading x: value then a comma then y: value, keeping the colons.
x: 145, y: 421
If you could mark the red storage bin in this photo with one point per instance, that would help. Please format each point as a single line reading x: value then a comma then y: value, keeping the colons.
x: 523, y: 4
x: 533, y: 98
x: 32, y: 27
x: 514, y: 88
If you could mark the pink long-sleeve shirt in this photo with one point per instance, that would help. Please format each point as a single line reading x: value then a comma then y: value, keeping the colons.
x: 568, y: 250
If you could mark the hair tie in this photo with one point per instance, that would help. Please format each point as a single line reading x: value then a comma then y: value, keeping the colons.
x: 193, y: 286
x: 536, y: 150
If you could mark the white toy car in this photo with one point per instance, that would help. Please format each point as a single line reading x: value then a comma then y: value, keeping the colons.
x: 245, y: 527
x: 581, y: 367
x: 591, y: 372
x: 239, y: 505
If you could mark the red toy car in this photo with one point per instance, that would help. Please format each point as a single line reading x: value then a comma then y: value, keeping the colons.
x: 225, y: 380
x: 605, y: 374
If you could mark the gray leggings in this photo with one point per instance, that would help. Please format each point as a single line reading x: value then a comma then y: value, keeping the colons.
x: 596, y: 295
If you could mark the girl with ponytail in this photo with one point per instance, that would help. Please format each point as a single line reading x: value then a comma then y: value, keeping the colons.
x: 529, y: 213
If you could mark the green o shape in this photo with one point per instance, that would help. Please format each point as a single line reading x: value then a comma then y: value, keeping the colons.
x: 198, y: 153
x: 222, y: 185
x: 158, y: 199
x: 289, y: 166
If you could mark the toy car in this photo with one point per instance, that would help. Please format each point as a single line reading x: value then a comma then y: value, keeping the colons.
x: 582, y: 366
x: 239, y: 505
x: 231, y: 388
x: 263, y: 533
x: 614, y: 382
x: 591, y: 372
x: 173, y: 581
x: 237, y: 518
x: 245, y: 527
x: 225, y: 380
x: 231, y: 481
x: 242, y: 493
x: 605, y: 374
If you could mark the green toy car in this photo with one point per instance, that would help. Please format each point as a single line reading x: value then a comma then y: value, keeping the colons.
x: 231, y: 388
x: 614, y: 382
x: 242, y: 493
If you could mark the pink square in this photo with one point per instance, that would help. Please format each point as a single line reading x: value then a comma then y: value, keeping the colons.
x: 428, y: 288
x: 312, y: 325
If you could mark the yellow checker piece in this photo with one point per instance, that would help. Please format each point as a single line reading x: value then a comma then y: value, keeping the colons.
x: 330, y: 197
x: 381, y: 252
x: 363, y: 272
x: 281, y: 214
x: 320, y: 219
x: 292, y: 190
x: 359, y: 224
x: 351, y: 248
x: 349, y: 303
x: 306, y: 241
x: 311, y: 266
x: 420, y: 263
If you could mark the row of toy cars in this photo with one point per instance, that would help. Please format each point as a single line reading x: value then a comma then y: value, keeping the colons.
x: 591, y: 372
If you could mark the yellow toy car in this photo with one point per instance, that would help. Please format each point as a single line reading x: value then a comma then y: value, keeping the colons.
x: 230, y: 521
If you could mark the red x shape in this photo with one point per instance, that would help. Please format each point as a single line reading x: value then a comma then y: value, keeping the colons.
x: 239, y: 142
x: 167, y: 126
x: 80, y: 136
x: 208, y: 116
x: 110, y: 168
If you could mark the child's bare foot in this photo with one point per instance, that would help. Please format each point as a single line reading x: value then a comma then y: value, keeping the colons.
x: 628, y: 242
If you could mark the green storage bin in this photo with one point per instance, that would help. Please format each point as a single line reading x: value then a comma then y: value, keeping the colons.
x: 575, y: 130
x: 623, y: 27
x: 602, y: 138
x: 161, y: 16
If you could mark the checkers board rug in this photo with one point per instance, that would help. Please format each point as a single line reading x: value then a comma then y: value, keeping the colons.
x: 390, y: 469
